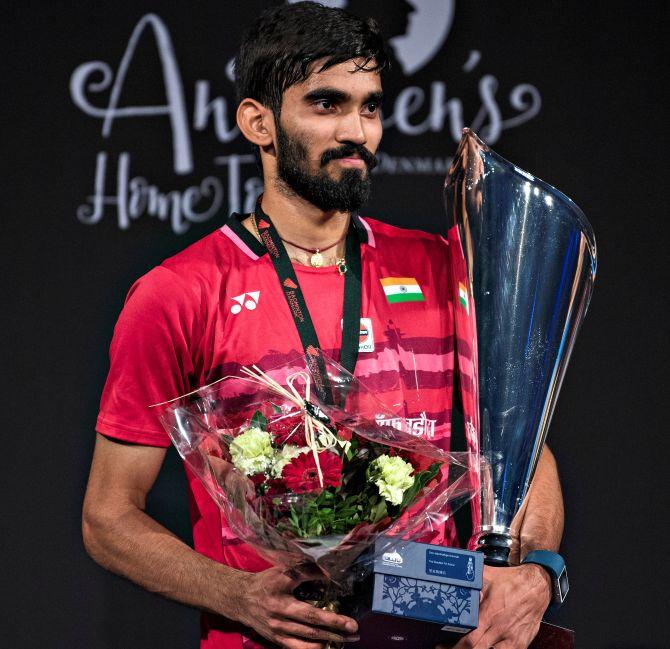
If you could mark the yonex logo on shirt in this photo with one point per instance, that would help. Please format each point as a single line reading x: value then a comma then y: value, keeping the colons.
x: 248, y: 301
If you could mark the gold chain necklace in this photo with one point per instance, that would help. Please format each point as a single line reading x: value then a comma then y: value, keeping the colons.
x: 316, y: 259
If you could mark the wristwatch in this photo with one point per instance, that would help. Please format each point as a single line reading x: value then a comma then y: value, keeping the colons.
x: 554, y: 564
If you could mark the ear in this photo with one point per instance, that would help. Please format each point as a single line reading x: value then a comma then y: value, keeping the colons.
x: 256, y: 122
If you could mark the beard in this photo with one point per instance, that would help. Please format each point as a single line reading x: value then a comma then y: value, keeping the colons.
x: 347, y: 194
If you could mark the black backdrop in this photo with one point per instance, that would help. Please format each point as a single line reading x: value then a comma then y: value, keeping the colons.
x: 571, y: 91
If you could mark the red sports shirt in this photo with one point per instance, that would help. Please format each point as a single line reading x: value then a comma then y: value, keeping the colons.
x: 217, y: 306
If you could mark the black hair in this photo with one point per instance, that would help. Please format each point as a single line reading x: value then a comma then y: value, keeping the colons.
x: 281, y: 46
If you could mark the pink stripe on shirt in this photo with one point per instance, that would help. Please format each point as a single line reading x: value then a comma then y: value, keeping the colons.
x: 387, y: 360
x: 371, y: 236
x: 238, y: 242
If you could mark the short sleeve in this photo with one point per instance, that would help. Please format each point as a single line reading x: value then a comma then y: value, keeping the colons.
x: 150, y: 357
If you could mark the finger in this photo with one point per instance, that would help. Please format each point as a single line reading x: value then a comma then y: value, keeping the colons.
x: 472, y: 639
x: 312, y: 616
x: 490, y: 639
x: 288, y: 642
x: 314, y: 633
x: 477, y: 639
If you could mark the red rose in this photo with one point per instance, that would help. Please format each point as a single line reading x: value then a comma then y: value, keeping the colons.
x: 301, y: 474
x: 289, y: 429
x: 343, y: 432
x: 258, y: 479
x: 275, y: 487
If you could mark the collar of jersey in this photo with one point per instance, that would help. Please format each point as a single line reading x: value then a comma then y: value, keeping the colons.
x: 249, y: 240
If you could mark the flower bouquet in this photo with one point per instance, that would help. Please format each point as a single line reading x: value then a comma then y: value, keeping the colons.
x: 306, y: 475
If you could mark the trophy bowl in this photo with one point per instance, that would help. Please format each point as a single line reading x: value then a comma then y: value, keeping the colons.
x: 529, y: 263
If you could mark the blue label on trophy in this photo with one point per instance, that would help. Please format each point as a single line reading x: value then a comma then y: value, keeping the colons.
x: 443, y: 563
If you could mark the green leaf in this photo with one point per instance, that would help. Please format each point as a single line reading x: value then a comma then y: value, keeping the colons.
x: 420, y: 481
x: 259, y: 420
x: 379, y: 511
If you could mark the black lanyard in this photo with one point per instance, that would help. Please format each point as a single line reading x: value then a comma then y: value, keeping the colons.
x: 298, y: 307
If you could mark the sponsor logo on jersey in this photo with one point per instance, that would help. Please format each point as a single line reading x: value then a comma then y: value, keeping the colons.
x: 248, y: 301
x: 402, y: 289
x: 366, y: 338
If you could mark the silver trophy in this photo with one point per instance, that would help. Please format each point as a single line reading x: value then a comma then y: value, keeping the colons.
x: 530, y: 263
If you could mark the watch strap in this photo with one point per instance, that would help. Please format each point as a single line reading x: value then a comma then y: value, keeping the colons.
x: 554, y: 564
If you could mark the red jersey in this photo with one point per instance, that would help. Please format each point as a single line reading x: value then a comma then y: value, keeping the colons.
x: 218, y: 305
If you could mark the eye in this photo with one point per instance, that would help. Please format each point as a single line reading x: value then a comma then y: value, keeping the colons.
x: 371, y: 108
x: 325, y: 104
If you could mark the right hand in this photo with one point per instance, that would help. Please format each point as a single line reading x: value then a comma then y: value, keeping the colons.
x: 267, y: 605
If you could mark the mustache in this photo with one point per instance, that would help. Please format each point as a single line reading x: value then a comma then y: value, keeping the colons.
x: 350, y: 150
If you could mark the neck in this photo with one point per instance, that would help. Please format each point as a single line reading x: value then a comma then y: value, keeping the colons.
x: 302, y: 222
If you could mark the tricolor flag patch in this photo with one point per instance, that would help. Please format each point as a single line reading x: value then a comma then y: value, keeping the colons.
x: 463, y: 296
x: 402, y: 289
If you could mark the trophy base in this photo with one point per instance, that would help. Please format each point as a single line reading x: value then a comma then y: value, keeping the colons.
x: 496, y: 547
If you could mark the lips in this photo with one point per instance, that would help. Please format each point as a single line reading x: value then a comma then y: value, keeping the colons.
x: 354, y: 162
x: 350, y: 155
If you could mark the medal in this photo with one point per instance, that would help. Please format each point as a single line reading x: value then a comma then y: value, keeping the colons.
x: 316, y: 259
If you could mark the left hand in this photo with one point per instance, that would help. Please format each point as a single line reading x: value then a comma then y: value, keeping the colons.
x: 512, y: 605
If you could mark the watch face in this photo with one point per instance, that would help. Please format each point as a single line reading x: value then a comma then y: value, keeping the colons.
x: 563, y: 585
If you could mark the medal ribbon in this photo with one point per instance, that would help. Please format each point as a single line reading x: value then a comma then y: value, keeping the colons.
x: 298, y: 307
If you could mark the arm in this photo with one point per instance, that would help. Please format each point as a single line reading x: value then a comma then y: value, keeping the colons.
x: 121, y: 537
x: 515, y: 599
x: 540, y: 521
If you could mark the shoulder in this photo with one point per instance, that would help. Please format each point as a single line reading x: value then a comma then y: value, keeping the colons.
x: 204, y: 260
x: 385, y: 235
x: 189, y: 274
x: 178, y: 289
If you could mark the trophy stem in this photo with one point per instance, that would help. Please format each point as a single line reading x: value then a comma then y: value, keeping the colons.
x: 495, y: 546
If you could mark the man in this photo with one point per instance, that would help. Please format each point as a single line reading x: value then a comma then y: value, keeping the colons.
x: 310, y: 89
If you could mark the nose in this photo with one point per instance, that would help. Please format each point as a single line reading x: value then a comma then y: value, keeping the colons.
x: 350, y: 129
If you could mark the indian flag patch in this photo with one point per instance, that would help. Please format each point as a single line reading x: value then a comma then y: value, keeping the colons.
x: 402, y: 289
x: 463, y: 296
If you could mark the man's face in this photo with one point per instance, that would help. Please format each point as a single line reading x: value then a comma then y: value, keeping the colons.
x: 328, y: 132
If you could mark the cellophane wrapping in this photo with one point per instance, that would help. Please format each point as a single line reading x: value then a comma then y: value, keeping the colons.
x: 306, y: 475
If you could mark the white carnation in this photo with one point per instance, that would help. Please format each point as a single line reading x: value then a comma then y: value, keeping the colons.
x: 392, y: 476
x: 252, y: 451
